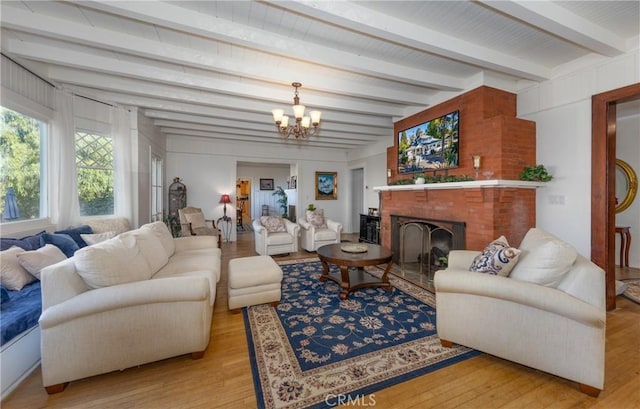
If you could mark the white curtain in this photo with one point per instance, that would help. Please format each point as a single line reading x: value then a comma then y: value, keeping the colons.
x: 123, y: 158
x: 63, y: 187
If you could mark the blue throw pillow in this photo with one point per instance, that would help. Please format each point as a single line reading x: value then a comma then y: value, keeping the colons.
x: 4, y: 295
x: 75, y: 233
x: 6, y: 244
x: 62, y: 241
x: 28, y: 243
x: 34, y: 240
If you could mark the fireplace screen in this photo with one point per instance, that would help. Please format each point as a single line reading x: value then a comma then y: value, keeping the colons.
x: 421, y: 246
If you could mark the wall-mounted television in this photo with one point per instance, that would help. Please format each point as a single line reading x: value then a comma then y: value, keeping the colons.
x: 432, y: 145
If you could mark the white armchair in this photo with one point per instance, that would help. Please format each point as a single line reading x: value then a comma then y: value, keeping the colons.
x: 313, y: 237
x: 275, y: 242
x: 556, y: 328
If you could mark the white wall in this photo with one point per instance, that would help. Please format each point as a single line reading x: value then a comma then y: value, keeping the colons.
x: 628, y: 149
x: 561, y: 109
x: 209, y: 169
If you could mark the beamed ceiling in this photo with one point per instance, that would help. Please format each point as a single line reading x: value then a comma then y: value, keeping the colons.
x: 215, y: 69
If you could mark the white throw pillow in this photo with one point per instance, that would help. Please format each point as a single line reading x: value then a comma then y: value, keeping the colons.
x: 12, y: 275
x: 498, y: 258
x: 316, y: 218
x: 97, y: 237
x: 273, y: 224
x: 114, y: 261
x: 162, y: 232
x: 196, y: 220
x: 150, y: 247
x: 34, y: 261
x: 546, y: 263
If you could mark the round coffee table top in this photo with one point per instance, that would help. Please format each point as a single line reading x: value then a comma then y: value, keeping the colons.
x: 354, y: 256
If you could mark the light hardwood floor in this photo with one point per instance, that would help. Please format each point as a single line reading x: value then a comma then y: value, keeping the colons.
x: 222, y: 379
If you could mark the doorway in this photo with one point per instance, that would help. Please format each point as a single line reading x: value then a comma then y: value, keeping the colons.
x: 357, y: 199
x: 243, y: 203
x: 603, y: 171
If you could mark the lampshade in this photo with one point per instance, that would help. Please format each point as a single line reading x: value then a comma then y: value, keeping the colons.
x: 225, y: 199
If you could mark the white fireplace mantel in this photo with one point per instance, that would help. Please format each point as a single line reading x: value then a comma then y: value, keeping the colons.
x: 472, y: 184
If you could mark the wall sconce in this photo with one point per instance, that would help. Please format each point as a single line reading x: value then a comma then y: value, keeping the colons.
x: 476, y: 164
x: 388, y: 173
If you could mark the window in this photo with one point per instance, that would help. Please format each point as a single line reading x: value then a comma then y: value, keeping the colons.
x: 94, y: 163
x: 157, y: 208
x: 22, y: 164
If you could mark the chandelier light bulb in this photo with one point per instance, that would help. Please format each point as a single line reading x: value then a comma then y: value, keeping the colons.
x: 315, y: 117
x: 277, y: 115
x: 298, y: 111
x: 306, y: 122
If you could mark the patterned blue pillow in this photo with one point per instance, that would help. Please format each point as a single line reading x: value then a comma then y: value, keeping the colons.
x: 62, y: 241
x: 75, y: 233
x: 498, y: 258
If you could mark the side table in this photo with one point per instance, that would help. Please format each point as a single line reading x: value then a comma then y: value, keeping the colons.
x: 225, y: 224
x: 625, y: 243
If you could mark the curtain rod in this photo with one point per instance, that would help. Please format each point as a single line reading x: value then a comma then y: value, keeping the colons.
x: 94, y: 100
x: 26, y: 69
x: 49, y: 82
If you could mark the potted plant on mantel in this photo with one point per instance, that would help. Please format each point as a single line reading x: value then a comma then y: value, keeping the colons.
x: 536, y: 173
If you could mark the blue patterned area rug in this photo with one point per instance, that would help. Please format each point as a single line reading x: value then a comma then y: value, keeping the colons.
x: 314, y: 349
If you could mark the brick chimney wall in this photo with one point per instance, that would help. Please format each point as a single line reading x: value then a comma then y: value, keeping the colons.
x: 506, y: 144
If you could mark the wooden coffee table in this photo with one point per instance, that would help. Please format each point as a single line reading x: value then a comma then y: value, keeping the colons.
x: 354, y: 278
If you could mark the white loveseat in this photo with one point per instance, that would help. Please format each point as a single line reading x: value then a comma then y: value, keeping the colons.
x: 557, y: 328
x: 139, y: 297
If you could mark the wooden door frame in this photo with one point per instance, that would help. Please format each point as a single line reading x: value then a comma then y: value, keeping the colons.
x: 603, y: 178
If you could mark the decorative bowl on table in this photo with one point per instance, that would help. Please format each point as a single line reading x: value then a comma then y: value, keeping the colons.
x: 354, y: 248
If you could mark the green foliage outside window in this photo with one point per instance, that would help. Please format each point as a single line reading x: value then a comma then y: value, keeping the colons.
x: 20, y: 167
x: 94, y: 162
x: 20, y: 162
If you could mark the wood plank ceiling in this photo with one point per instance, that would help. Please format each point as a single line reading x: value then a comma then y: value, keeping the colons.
x: 215, y: 69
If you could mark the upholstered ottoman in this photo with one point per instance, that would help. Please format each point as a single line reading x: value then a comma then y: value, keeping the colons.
x: 252, y: 281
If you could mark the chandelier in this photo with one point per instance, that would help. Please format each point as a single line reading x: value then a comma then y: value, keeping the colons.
x: 301, y: 129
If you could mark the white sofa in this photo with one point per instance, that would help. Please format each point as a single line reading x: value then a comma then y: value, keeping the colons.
x: 139, y: 297
x: 312, y: 238
x: 275, y: 242
x: 557, y: 328
x: 21, y: 355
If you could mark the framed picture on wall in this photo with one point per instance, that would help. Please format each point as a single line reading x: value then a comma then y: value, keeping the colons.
x: 326, y: 185
x: 266, y: 184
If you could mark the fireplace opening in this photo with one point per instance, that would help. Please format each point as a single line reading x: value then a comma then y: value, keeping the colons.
x: 421, y: 246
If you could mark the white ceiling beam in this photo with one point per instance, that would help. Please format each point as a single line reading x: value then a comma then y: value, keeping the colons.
x: 124, y: 94
x: 274, y: 94
x: 367, y: 21
x: 190, y: 21
x: 557, y: 20
x: 226, y: 128
x: 34, y: 23
x: 245, y: 138
x: 267, y: 136
x: 341, y: 130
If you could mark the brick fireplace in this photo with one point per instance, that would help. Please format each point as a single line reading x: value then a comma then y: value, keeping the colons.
x: 489, y: 208
x: 488, y: 212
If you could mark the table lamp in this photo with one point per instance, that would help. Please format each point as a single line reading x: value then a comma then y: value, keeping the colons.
x: 225, y: 199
